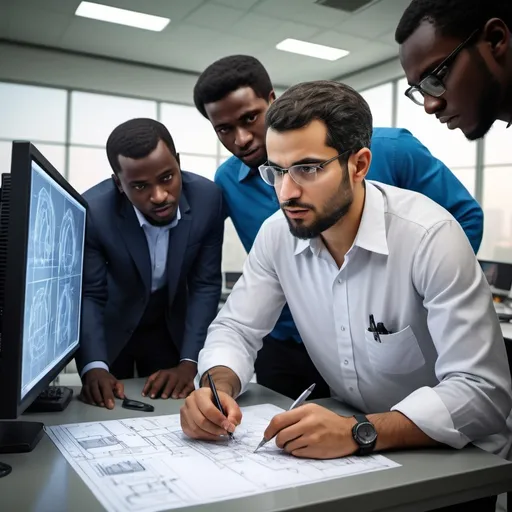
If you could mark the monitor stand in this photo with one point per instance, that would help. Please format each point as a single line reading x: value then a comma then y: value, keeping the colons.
x: 19, y: 436
x: 51, y: 399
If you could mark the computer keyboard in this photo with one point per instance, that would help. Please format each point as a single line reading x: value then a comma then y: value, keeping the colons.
x: 503, y: 311
x: 53, y: 398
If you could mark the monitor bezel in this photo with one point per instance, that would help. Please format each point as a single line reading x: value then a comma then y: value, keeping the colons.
x: 23, y: 153
x: 501, y: 292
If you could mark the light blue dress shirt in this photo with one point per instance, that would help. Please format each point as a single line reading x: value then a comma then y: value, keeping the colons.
x: 158, y: 246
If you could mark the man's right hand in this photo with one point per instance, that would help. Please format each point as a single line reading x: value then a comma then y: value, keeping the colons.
x: 100, y: 387
x: 200, y: 419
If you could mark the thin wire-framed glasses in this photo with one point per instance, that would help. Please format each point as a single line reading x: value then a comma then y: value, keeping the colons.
x: 302, y: 174
x: 433, y: 84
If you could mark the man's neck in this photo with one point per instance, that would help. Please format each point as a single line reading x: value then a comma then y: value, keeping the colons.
x: 339, y: 238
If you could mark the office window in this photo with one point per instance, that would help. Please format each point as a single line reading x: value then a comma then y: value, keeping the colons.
x: 451, y: 147
x: 202, y: 165
x: 55, y: 154
x: 94, y: 116
x: 497, y: 206
x: 87, y: 167
x: 32, y: 113
x: 380, y: 100
x: 191, y: 132
x: 497, y: 150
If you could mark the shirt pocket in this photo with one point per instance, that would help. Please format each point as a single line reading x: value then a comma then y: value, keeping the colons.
x: 397, y: 354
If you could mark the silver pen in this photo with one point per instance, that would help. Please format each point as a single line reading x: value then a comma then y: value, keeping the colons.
x: 302, y: 398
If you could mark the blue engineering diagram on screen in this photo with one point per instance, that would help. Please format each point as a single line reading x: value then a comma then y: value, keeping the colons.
x: 53, y: 287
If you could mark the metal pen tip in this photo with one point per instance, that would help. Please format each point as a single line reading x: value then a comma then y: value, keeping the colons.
x: 262, y: 442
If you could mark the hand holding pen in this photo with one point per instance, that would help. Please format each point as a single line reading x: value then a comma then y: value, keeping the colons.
x: 302, y: 398
x: 208, y: 413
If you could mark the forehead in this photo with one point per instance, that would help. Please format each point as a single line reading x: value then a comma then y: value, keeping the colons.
x: 158, y: 161
x: 285, y: 148
x: 234, y: 105
x: 424, y: 50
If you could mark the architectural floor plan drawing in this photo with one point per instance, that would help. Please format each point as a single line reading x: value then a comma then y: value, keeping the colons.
x: 148, y: 464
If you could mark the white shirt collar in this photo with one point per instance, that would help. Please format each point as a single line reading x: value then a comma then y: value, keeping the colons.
x: 371, y: 234
x: 144, y: 222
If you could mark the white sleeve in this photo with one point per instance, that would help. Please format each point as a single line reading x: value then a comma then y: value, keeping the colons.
x: 473, y: 398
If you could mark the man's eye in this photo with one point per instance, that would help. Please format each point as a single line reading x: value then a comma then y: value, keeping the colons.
x: 167, y: 178
x: 251, y: 118
x: 139, y: 187
x: 306, y: 169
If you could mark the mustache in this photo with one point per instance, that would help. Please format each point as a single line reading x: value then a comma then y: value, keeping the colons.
x: 162, y: 206
x: 293, y: 203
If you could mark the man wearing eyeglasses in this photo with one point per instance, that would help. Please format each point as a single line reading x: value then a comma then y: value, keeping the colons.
x: 457, y: 56
x: 386, y: 293
x: 234, y: 94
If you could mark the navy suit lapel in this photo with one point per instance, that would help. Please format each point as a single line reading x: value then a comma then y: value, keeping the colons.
x: 178, y: 242
x: 135, y: 241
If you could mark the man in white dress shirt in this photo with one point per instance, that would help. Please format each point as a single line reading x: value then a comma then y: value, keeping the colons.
x: 349, y: 255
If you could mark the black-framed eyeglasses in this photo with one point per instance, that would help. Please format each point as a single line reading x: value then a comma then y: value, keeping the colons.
x: 302, y: 174
x: 433, y: 84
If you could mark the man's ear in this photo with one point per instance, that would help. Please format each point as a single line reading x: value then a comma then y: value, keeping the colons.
x: 361, y: 164
x: 272, y: 96
x: 177, y: 156
x: 117, y: 182
x: 497, y: 35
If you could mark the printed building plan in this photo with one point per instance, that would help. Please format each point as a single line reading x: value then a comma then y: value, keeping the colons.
x: 147, y: 464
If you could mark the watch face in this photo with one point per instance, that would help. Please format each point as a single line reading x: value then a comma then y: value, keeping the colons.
x: 366, y: 433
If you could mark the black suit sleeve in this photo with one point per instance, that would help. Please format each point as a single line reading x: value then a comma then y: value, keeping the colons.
x: 204, y: 287
x: 95, y: 293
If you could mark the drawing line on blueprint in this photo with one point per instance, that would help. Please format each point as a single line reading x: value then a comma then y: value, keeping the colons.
x: 149, y: 465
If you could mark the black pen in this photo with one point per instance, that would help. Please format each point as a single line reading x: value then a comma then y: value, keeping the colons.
x: 217, y: 399
x: 373, y: 328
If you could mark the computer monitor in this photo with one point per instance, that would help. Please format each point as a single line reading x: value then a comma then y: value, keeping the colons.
x: 42, y: 236
x: 499, y: 277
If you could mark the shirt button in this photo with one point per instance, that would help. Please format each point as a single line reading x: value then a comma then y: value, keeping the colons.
x: 340, y: 281
x: 342, y: 328
x: 351, y: 388
x: 345, y: 362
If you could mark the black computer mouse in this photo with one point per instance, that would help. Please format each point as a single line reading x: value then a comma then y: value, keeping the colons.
x: 5, y: 469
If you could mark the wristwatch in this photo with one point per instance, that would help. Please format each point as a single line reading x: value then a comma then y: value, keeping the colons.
x: 364, y: 434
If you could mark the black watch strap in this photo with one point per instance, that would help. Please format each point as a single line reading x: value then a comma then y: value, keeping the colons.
x: 364, y: 449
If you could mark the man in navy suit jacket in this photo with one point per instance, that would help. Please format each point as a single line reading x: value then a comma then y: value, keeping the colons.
x: 152, y: 270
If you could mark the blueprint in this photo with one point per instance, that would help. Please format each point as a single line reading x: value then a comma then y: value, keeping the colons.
x: 54, y: 277
x: 147, y: 464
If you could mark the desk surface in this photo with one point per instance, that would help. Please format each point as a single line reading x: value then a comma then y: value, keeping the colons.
x: 43, y: 481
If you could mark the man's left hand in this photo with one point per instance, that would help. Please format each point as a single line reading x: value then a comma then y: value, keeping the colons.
x: 313, y: 432
x: 177, y: 382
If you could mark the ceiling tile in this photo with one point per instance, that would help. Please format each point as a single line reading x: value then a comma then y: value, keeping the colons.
x: 255, y: 26
x: 36, y: 25
x: 293, y: 30
x: 215, y: 17
x: 388, y: 38
x: 378, y: 19
x: 237, y: 4
x: 303, y: 11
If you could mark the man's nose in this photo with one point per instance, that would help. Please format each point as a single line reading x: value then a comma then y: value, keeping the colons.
x: 287, y: 189
x: 243, y: 137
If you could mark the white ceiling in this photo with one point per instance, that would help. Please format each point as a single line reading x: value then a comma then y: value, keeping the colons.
x: 202, y: 31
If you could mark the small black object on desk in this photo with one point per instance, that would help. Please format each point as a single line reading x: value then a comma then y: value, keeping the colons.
x: 5, y: 469
x: 135, y: 405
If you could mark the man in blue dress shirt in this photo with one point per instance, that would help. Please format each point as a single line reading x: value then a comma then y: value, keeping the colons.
x: 234, y: 93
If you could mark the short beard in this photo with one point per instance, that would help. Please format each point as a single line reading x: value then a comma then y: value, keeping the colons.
x: 335, y: 211
x: 488, y: 105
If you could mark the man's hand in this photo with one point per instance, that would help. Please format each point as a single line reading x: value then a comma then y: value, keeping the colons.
x: 200, y: 419
x: 176, y: 382
x: 99, y: 387
x: 313, y: 432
